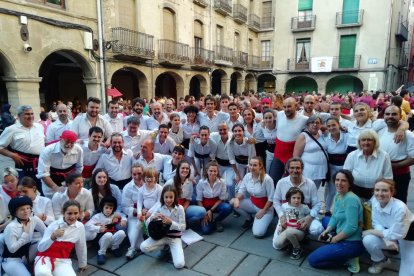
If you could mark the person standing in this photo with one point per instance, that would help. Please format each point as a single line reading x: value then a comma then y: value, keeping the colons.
x: 63, y: 123
x: 114, y: 118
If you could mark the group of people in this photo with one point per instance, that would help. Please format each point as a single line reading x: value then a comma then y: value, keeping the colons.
x: 150, y: 175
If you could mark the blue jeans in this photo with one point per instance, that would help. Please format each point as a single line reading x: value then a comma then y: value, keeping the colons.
x: 194, y: 213
x: 336, y: 254
x: 223, y: 210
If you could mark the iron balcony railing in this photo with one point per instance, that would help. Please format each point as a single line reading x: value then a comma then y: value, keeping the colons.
x: 254, y: 22
x: 260, y: 63
x: 202, y: 57
x: 267, y: 23
x: 173, y: 51
x: 402, y: 32
x: 202, y: 3
x: 239, y: 13
x: 222, y: 53
x: 223, y: 6
x: 349, y: 18
x: 346, y: 63
x: 129, y: 42
x: 303, y: 23
x: 294, y: 65
x: 240, y: 59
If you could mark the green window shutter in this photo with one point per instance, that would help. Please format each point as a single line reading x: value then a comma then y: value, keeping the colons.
x: 350, y: 10
x: 347, y: 51
x: 305, y: 5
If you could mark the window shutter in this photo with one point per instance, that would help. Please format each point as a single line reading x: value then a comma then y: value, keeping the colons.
x: 305, y: 5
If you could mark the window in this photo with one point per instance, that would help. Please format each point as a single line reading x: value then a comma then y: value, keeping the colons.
x: 350, y: 11
x: 198, y: 36
x: 267, y: 20
x: 266, y: 50
x: 347, y: 51
x: 250, y: 50
x: 305, y: 10
x: 303, y: 50
x: 52, y: 3
x: 168, y: 24
x: 236, y: 41
x: 219, y: 35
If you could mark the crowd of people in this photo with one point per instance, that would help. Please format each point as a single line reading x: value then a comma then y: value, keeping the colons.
x: 148, y: 170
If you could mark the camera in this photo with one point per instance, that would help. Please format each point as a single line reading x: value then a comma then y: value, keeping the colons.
x: 27, y: 47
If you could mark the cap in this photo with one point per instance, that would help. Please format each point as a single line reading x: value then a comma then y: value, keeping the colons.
x: 157, y: 229
x: 266, y: 100
x: 108, y: 199
x: 69, y: 135
x: 17, y: 202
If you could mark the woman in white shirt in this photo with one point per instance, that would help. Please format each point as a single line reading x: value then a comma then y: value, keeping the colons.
x: 268, y: 132
x: 393, y: 229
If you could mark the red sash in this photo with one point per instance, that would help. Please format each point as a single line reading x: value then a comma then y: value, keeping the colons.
x: 58, y: 250
x: 400, y: 171
x: 209, y: 202
x: 284, y: 150
x: 30, y: 161
x: 259, y: 202
x: 87, y: 171
x: 181, y: 201
x: 293, y: 223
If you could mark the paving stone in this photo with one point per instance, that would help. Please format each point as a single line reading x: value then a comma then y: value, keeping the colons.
x: 112, y: 262
x: 251, y: 265
x: 364, y: 271
x: 220, y: 261
x: 102, y: 273
x: 195, y: 252
x: 91, y: 269
x: 331, y: 271
x: 232, y: 230
x: 285, y: 269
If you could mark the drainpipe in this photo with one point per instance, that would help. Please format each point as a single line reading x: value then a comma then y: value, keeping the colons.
x: 101, y: 55
x: 211, y: 41
x: 388, y: 67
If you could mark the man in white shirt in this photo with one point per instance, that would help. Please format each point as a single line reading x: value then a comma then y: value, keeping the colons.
x: 134, y: 136
x: 83, y: 122
x: 235, y: 117
x: 114, y: 118
x: 57, y: 161
x: 150, y: 159
x: 158, y: 117
x: 163, y: 143
x: 138, y: 105
x: 211, y: 118
x: 63, y: 123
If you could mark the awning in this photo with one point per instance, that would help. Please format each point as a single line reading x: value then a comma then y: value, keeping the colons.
x: 113, y: 92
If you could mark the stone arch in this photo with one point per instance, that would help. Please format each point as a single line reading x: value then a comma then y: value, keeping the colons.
x: 301, y: 84
x: 130, y: 81
x: 235, y: 82
x: 6, y: 71
x: 198, y: 85
x: 218, y: 78
x: 266, y: 83
x: 169, y: 84
x: 250, y: 82
x: 343, y: 84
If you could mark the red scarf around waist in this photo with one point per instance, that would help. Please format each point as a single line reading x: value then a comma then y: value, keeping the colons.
x: 259, y: 202
x: 401, y: 170
x: 284, y: 150
x: 87, y: 171
x: 58, y: 250
x: 209, y: 202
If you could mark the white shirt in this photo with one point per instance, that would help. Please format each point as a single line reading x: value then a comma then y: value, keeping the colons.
x: 177, y: 137
x: 204, y: 190
x: 230, y: 123
x: 186, y: 188
x: 308, y: 188
x: 212, y: 123
x: 74, y: 233
x: 116, y: 123
x: 269, y: 135
x: 176, y: 214
x: 153, y: 124
x: 290, y: 128
x: 43, y: 205
x: 116, y: 193
x: 257, y: 189
x: 190, y: 129
x: 367, y: 172
x: 209, y: 148
x: 15, y: 237
x: 129, y: 198
x: 134, y: 142
x: 400, y: 151
x: 91, y: 157
x: 234, y: 149
x: 81, y: 126
x: 147, y: 198
x: 23, y: 139
x: 222, y: 148
x: 142, y: 121
x: 99, y: 218
x: 354, y: 130
x: 165, y: 148
x: 117, y: 170
x: 55, y: 129
x: 157, y: 162
x: 333, y: 147
x: 84, y: 197
x: 393, y: 220
x: 168, y: 171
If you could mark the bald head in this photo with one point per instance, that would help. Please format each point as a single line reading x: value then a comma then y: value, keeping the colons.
x: 309, y: 104
x: 147, y: 148
x: 62, y: 111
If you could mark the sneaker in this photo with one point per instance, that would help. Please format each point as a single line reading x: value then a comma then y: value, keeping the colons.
x: 131, y: 253
x: 353, y: 265
x: 296, y: 253
x: 236, y: 214
x: 219, y: 226
x: 247, y: 224
x: 101, y: 259
x: 116, y: 252
x: 377, y: 267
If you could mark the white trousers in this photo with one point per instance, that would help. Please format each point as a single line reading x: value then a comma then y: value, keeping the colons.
x: 269, y: 158
x: 135, y: 232
x: 227, y: 173
x: 247, y: 209
x: 43, y: 267
x: 176, y: 248
x: 15, y: 267
x: 107, y: 240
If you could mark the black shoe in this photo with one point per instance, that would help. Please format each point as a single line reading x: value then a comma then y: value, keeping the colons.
x: 219, y: 226
x: 235, y: 214
x: 247, y: 224
x: 296, y: 253
x: 116, y: 252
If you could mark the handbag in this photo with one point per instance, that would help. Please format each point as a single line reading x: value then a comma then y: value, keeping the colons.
x: 328, y: 172
x: 367, y: 212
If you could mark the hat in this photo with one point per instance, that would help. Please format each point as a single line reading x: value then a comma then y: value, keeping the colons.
x: 69, y: 135
x: 108, y: 199
x: 157, y: 229
x: 17, y: 202
x: 266, y: 100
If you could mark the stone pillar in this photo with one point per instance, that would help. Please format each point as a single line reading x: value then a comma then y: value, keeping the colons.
x: 225, y: 86
x: 240, y: 85
x: 24, y: 91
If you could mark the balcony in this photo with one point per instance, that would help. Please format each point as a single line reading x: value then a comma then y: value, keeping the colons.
x: 222, y: 7
x: 223, y: 55
x: 240, y: 59
x: 201, y: 59
x: 258, y: 63
x: 303, y: 23
x: 294, y: 66
x: 172, y: 53
x: 132, y: 45
x: 349, y: 19
x: 201, y: 3
x: 402, y: 32
x: 346, y: 63
x: 267, y: 23
x: 254, y: 23
x: 239, y: 13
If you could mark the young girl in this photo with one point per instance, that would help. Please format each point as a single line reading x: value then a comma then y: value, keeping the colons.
x: 176, y: 131
x: 60, y: 237
x: 102, y: 227
x: 8, y: 190
x: 18, y: 236
x: 294, y: 210
x: 171, y: 213
x: 42, y: 206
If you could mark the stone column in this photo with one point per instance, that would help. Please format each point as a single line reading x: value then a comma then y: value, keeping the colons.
x: 225, y: 86
x: 240, y: 85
